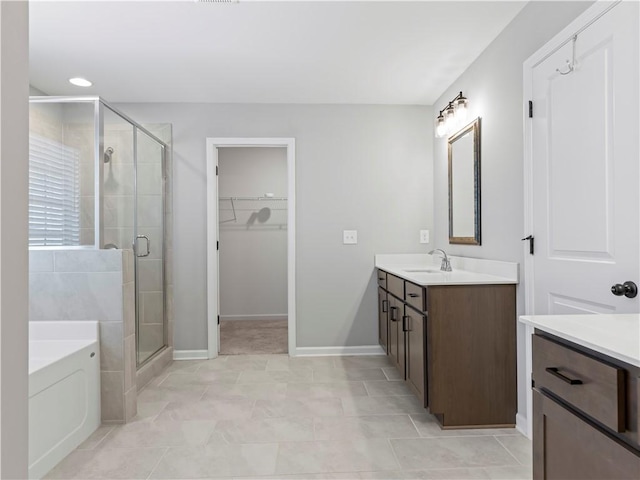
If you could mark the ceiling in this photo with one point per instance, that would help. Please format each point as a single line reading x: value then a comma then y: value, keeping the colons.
x: 404, y: 53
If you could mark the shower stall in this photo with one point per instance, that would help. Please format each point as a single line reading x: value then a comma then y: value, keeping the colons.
x: 98, y: 180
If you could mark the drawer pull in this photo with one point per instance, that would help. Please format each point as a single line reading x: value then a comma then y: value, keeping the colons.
x: 405, y: 323
x: 385, y: 306
x: 382, y: 279
x: 394, y: 318
x: 554, y: 371
x: 413, y: 295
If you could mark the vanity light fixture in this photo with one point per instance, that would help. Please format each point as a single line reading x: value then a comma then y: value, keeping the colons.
x: 452, y: 116
x: 80, y: 82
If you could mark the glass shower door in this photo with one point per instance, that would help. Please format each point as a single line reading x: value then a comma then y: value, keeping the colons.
x: 151, y: 334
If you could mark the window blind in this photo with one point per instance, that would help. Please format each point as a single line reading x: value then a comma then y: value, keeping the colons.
x: 54, y: 193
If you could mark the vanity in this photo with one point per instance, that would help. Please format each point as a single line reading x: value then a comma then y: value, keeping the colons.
x: 452, y: 335
x: 586, y: 396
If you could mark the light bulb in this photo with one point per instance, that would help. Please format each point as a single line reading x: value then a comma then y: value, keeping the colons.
x: 450, y: 118
x: 441, y: 127
x: 461, y: 109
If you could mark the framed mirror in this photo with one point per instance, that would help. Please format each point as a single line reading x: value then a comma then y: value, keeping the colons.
x: 464, y: 185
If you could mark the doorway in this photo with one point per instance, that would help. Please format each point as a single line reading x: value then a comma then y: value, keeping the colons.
x: 252, y: 233
x: 251, y: 248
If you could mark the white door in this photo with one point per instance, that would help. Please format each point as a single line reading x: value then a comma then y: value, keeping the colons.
x: 585, y: 174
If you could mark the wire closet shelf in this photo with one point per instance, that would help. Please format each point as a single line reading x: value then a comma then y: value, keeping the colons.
x: 252, y: 204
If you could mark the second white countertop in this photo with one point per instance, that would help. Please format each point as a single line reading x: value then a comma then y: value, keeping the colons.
x: 617, y: 336
x: 424, y: 270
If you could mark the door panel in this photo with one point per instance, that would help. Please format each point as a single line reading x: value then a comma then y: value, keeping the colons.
x: 383, y: 318
x: 585, y: 170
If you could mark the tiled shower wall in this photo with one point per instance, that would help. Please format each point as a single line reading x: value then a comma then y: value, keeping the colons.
x: 98, y: 285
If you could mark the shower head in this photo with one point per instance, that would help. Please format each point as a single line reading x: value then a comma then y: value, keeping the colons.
x: 107, y: 155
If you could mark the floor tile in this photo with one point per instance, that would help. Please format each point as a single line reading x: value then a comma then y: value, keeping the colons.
x: 372, y: 426
x: 267, y: 430
x: 326, y: 390
x: 270, y: 391
x: 96, y: 437
x: 159, y: 434
x: 381, y: 405
x: 216, y: 461
x: 164, y: 393
x: 362, y: 361
x: 237, y: 362
x: 428, y: 426
x: 274, y: 376
x: 312, y: 407
x: 147, y: 411
x: 519, y: 446
x: 509, y: 473
x: 431, y: 474
x: 332, y: 456
x: 386, y: 388
x: 212, y: 409
x: 392, y: 373
x: 185, y: 366
x: 177, y: 379
x: 350, y: 374
x: 426, y: 453
x: 131, y: 463
x: 286, y: 363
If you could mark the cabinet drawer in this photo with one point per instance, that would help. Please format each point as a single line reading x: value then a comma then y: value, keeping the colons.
x: 382, y: 279
x: 415, y: 296
x: 590, y: 385
x: 395, y: 286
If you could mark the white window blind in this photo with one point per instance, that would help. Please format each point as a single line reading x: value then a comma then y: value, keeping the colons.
x: 54, y: 193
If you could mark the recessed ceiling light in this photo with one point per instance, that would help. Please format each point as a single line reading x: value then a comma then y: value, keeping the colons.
x: 80, y: 82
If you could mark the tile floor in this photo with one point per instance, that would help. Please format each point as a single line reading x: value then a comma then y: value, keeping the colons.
x: 271, y: 416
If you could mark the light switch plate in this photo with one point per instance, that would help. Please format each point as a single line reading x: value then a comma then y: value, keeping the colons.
x: 350, y: 237
x: 424, y: 236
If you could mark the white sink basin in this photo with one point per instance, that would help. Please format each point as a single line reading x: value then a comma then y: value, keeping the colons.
x: 423, y: 270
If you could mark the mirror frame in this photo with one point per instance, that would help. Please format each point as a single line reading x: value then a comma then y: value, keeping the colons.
x: 475, y: 128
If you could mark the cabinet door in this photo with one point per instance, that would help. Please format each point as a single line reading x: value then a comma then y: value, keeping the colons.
x: 567, y: 447
x: 414, y: 323
x: 383, y: 319
x: 396, y: 335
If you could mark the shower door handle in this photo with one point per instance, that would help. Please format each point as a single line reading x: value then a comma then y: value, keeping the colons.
x: 148, y: 246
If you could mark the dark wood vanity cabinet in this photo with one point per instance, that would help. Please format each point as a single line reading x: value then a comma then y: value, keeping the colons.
x: 383, y: 319
x: 415, y: 323
x: 585, y: 413
x: 455, y: 346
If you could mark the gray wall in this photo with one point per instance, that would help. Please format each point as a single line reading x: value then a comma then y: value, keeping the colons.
x: 253, y: 248
x: 493, y: 85
x: 14, y: 154
x: 358, y: 167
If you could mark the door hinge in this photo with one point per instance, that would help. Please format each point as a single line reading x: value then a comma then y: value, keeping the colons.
x: 530, y: 108
x: 533, y: 383
x: 217, y: 165
x: 217, y: 245
x: 218, y: 319
x: 531, y: 243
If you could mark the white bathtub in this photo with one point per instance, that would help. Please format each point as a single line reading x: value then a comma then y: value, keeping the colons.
x: 64, y: 390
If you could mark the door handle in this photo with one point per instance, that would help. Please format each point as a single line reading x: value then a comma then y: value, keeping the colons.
x: 628, y: 289
x: 392, y: 317
x: 385, y: 306
x: 138, y: 237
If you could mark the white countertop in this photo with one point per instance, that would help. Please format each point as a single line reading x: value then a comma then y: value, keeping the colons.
x: 424, y: 270
x: 617, y: 336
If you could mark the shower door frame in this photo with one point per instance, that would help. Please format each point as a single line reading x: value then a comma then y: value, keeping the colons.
x: 213, y: 285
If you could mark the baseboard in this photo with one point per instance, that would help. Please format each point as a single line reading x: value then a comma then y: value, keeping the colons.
x: 274, y: 316
x: 522, y: 425
x: 338, y: 351
x: 190, y: 354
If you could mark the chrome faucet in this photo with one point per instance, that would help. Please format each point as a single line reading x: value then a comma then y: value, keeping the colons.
x: 445, y: 266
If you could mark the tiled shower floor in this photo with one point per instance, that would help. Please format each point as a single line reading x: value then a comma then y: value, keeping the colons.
x: 271, y: 416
